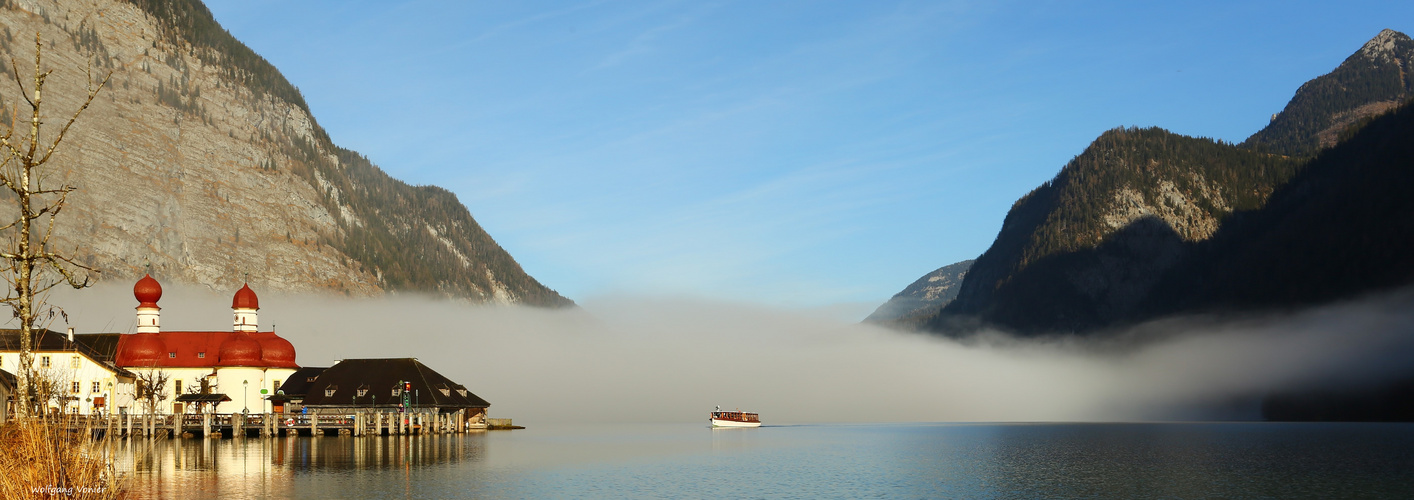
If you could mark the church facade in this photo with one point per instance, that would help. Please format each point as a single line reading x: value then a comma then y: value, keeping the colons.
x: 109, y: 372
x: 239, y: 363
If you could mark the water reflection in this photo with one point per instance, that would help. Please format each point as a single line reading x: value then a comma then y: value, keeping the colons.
x: 267, y: 468
x: 921, y: 461
x: 727, y: 439
x: 202, y: 468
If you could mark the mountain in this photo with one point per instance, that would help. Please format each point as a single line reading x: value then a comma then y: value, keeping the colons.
x: 1118, y: 235
x: 923, y: 298
x: 1342, y: 227
x: 1133, y: 196
x: 201, y: 163
x: 1374, y: 79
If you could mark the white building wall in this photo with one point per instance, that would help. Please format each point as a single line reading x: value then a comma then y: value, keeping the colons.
x: 190, y: 379
x: 64, y: 370
x: 243, y: 385
x: 273, y: 378
x: 224, y: 380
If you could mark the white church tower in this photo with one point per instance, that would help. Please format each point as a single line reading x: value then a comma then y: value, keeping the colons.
x: 148, y: 292
x: 245, y: 305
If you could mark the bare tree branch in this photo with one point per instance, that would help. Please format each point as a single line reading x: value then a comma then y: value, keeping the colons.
x: 33, y: 269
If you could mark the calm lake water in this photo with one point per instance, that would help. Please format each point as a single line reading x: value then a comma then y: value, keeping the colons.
x: 1166, y: 460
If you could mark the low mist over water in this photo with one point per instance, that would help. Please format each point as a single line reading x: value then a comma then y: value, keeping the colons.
x: 639, y: 359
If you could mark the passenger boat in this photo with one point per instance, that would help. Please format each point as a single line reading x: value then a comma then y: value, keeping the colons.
x: 735, y: 418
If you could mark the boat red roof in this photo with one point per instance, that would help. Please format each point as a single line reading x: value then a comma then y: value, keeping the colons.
x: 201, y: 349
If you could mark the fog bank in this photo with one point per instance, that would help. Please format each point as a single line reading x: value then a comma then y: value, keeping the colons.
x: 642, y: 359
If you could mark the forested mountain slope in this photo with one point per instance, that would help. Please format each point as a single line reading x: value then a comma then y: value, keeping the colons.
x: 1119, y: 234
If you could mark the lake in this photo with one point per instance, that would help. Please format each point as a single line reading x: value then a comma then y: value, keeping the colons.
x: 1140, y: 460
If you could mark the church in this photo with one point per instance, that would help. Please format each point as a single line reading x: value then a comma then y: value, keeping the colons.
x: 102, y: 372
x: 244, y: 363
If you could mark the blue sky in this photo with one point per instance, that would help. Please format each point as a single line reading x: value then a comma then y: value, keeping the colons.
x: 797, y: 154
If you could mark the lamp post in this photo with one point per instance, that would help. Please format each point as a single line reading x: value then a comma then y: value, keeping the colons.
x: 245, y: 400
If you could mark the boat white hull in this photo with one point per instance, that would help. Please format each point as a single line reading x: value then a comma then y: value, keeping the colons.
x: 733, y: 423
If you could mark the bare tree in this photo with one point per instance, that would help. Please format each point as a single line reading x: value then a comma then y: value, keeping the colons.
x: 151, y: 390
x: 55, y: 389
x: 34, y: 267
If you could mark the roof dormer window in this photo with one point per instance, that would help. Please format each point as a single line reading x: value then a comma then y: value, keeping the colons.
x: 329, y: 391
x: 200, y: 354
x: 171, y: 355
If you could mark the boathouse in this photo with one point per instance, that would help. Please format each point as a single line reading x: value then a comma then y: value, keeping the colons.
x: 289, y: 397
x: 353, y: 385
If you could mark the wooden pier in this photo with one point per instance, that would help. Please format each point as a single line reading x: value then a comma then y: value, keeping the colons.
x: 270, y: 425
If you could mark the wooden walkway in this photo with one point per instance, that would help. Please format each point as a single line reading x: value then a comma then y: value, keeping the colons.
x: 258, y: 425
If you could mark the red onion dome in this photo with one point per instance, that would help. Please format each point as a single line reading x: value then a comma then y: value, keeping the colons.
x: 277, y: 351
x: 240, y: 350
x: 147, y: 291
x: 245, y: 299
x: 142, y: 349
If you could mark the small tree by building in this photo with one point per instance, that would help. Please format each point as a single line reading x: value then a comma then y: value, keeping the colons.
x: 33, y: 266
x: 151, y: 391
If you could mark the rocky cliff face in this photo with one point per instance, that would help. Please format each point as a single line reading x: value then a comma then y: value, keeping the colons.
x: 200, y: 161
x: 923, y: 298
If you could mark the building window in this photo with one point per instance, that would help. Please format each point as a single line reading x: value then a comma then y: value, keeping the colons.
x: 310, y: 380
x: 178, y: 387
x: 461, y: 391
x: 361, y: 392
x: 446, y: 392
x: 75, y: 362
x: 275, y: 387
x: 76, y: 387
x: 396, y: 391
x: 44, y: 361
x: 171, y: 355
x: 96, y: 386
x: 200, y: 354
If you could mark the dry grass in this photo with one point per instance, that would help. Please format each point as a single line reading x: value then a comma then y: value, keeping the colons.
x: 40, y: 459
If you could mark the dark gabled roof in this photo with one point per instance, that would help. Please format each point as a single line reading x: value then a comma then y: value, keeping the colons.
x: 45, y: 340
x: 298, y: 383
x: 100, y: 347
x: 103, y: 345
x: 380, y: 377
